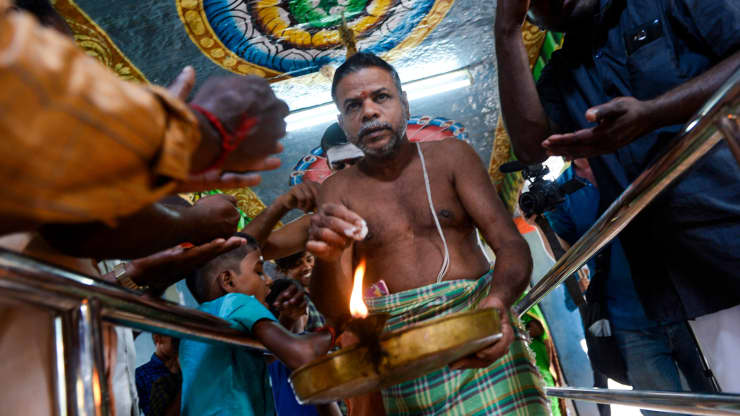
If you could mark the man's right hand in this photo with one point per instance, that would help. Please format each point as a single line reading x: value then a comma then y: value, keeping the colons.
x: 212, y: 217
x: 510, y: 15
x: 332, y: 230
x: 233, y: 98
x: 302, y: 196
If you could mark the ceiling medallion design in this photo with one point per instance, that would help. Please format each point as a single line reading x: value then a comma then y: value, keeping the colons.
x: 280, y: 38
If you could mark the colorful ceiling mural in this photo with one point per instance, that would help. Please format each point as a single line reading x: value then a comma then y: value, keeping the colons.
x: 297, y: 43
x: 279, y: 38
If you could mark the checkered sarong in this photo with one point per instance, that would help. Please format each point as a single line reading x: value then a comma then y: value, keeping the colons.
x: 510, y: 386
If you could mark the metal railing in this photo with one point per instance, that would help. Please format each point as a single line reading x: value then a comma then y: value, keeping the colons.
x: 82, y: 303
x: 717, y: 118
x: 691, y: 403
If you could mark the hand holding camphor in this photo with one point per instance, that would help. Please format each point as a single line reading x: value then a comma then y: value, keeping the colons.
x: 332, y: 230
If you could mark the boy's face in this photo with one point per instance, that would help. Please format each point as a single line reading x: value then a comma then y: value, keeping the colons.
x: 302, y: 270
x: 251, y: 280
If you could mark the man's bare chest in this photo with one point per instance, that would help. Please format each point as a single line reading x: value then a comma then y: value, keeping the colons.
x: 399, y: 212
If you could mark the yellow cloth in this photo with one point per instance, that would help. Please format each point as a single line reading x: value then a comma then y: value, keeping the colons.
x: 78, y: 143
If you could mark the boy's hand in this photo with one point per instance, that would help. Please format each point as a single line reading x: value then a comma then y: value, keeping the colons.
x: 293, y: 297
x: 302, y: 196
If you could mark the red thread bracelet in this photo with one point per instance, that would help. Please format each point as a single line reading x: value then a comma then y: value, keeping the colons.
x: 229, y: 141
x: 332, y: 332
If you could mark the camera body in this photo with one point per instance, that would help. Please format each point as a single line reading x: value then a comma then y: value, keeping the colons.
x: 543, y: 195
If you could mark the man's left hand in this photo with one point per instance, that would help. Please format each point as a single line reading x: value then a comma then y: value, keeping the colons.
x: 493, y: 352
x: 620, y: 121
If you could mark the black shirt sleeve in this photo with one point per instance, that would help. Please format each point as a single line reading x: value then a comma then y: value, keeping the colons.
x: 551, y: 97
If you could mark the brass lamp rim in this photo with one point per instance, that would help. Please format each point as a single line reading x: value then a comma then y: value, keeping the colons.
x: 405, y: 354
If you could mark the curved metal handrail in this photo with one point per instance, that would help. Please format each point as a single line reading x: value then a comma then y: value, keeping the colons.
x: 53, y: 287
x: 696, y: 138
x: 683, y: 402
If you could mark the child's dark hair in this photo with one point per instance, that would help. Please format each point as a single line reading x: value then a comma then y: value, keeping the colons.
x: 277, y: 287
x: 358, y: 61
x: 286, y: 263
x: 200, y: 280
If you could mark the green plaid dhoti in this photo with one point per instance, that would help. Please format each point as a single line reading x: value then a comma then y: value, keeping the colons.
x: 510, y: 386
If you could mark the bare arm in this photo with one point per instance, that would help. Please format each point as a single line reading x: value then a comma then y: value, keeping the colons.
x: 680, y: 103
x: 478, y: 196
x: 513, y: 261
x: 289, y: 239
x: 524, y: 116
x: 293, y: 350
x: 162, y: 269
x: 154, y: 228
x: 331, y: 286
x: 330, y: 241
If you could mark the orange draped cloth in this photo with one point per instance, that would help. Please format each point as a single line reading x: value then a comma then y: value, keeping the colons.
x: 78, y: 143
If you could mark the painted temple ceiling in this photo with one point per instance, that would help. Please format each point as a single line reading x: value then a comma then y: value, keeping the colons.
x: 296, y: 44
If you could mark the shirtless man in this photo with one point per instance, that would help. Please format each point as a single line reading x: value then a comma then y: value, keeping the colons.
x: 386, y: 192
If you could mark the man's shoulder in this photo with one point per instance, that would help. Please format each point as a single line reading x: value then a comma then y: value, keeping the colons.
x: 450, y: 153
x: 447, y: 147
x: 336, y: 183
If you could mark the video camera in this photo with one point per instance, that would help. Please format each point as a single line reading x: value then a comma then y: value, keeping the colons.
x: 543, y: 195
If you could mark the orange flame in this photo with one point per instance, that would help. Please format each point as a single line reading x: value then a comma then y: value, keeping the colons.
x: 357, y: 307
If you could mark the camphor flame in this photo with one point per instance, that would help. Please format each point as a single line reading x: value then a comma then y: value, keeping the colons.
x: 357, y: 307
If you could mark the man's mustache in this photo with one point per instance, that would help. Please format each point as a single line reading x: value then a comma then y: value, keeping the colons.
x: 372, y: 126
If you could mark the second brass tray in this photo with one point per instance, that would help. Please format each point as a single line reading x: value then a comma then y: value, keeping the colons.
x: 405, y: 355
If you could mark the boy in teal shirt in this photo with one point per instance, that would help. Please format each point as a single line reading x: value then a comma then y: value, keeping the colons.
x: 220, y: 379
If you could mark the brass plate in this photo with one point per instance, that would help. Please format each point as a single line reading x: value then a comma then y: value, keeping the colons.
x: 406, y: 354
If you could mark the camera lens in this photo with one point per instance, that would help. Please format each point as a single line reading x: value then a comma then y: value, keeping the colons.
x: 528, y: 203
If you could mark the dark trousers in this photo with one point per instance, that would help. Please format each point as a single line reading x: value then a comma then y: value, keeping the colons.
x: 653, y: 357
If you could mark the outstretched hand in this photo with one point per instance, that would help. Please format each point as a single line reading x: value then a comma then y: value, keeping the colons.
x: 332, y: 230
x: 498, y: 349
x: 290, y: 305
x: 212, y: 217
x: 233, y: 99
x: 292, y: 297
x: 162, y: 269
x: 620, y: 121
x: 302, y: 196
x: 181, y: 88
